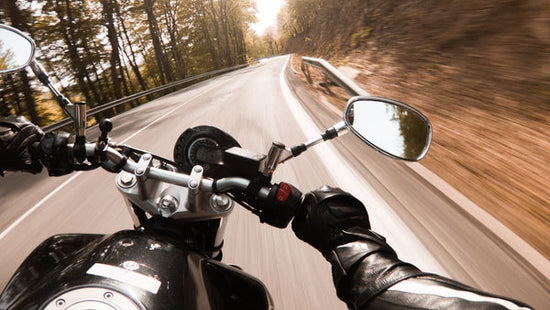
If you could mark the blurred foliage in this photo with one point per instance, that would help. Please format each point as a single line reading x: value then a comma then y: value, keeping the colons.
x: 478, y: 69
x: 414, y: 131
x: 101, y: 50
x: 297, y: 16
x: 6, y: 57
x: 360, y: 36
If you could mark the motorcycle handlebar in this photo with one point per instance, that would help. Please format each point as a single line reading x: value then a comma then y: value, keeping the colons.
x: 177, y: 178
x: 279, y: 202
x: 275, y: 204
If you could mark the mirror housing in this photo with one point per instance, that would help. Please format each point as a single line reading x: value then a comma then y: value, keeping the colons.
x: 389, y: 126
x: 16, y: 49
x: 16, y: 53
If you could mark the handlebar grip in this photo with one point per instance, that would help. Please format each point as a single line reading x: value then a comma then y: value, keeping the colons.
x: 54, y: 153
x: 281, y: 204
x: 35, y: 150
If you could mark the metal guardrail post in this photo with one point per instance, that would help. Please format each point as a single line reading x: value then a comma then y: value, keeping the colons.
x: 334, y: 75
x: 305, y: 70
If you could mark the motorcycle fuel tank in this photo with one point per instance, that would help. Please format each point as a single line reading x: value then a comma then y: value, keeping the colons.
x: 127, y: 270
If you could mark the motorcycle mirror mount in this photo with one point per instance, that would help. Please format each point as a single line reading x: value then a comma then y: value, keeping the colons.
x: 16, y: 53
x: 392, y: 128
x: 331, y: 133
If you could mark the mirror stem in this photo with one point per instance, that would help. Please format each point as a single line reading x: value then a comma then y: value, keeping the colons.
x: 43, y: 76
x: 339, y: 127
x: 330, y: 133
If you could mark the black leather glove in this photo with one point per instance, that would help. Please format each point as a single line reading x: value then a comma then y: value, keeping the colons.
x: 363, y: 264
x: 323, y: 216
x: 55, y: 154
x: 16, y: 135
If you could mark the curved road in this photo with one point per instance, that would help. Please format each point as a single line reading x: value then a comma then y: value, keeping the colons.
x: 256, y: 107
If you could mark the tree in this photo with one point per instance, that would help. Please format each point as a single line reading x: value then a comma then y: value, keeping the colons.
x: 108, y: 16
x: 20, y: 19
x: 297, y: 16
x: 165, y: 70
x: 101, y: 50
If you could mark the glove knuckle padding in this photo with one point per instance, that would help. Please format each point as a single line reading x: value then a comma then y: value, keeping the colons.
x: 56, y: 157
x: 16, y: 135
x: 323, y: 216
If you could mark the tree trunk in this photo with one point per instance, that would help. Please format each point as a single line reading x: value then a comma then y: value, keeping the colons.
x: 201, y: 12
x: 172, y: 25
x: 4, y: 103
x: 225, y: 26
x: 66, y: 27
x: 132, y: 61
x: 164, y: 68
x: 113, y: 40
x: 29, y: 98
x: 214, y: 18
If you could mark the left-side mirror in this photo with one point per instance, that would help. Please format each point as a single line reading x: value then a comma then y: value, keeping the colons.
x: 390, y: 127
x: 16, y: 49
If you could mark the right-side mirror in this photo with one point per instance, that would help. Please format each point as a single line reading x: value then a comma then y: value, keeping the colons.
x: 16, y: 49
x: 390, y: 127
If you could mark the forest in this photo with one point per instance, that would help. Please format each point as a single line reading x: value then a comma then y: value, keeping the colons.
x: 101, y: 50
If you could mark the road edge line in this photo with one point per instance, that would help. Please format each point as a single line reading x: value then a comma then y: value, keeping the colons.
x: 6, y: 231
x: 429, y: 263
x: 520, y: 246
x: 18, y: 221
x: 501, y: 231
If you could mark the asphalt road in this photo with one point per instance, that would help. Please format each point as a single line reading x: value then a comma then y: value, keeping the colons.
x: 256, y: 107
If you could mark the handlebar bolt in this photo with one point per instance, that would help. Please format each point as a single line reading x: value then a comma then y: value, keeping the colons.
x: 193, y: 184
x: 221, y: 203
x: 198, y: 169
x: 168, y: 203
x: 146, y: 156
x: 127, y: 180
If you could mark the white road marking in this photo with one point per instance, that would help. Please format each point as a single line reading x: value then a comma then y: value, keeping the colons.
x: 37, y: 205
x: 383, y: 219
x: 389, y: 223
x: 57, y: 189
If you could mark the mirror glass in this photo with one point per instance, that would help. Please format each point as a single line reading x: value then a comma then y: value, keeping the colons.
x: 391, y: 127
x: 16, y: 51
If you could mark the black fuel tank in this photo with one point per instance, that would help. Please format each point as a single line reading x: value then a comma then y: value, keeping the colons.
x: 128, y: 270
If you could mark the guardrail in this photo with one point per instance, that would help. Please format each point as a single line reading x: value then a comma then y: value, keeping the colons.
x: 93, y: 111
x: 333, y: 74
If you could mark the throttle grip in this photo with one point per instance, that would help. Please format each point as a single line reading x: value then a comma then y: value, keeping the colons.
x: 281, y: 204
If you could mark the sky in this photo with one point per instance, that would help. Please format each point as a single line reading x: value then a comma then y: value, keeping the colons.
x: 267, y: 14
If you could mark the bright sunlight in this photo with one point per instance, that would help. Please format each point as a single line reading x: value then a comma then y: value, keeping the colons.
x: 267, y: 14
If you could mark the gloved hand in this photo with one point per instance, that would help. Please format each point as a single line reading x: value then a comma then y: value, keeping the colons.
x: 16, y: 135
x: 323, y: 216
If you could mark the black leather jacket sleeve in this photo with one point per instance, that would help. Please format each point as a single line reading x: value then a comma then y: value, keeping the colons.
x: 368, y: 275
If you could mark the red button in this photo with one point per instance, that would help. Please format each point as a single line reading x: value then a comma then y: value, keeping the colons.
x: 283, y: 192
